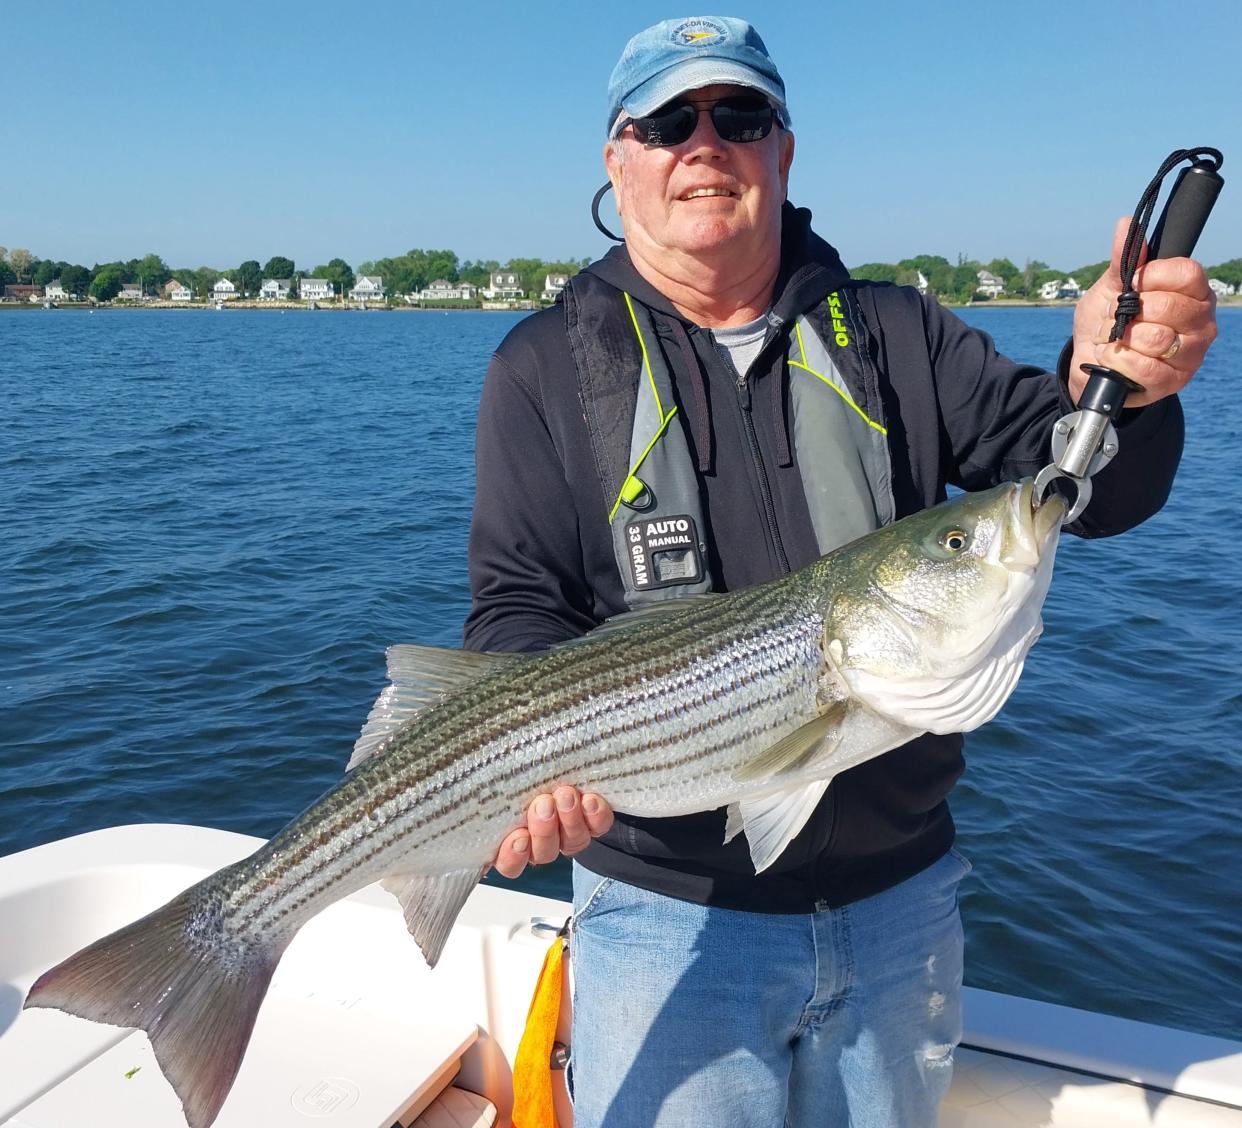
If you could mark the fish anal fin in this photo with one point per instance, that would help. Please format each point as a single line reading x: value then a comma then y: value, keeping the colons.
x: 796, y: 750
x: 431, y: 903
x: 197, y: 1001
x: 772, y: 821
x: 419, y: 676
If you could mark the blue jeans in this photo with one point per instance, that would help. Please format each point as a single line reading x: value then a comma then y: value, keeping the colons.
x: 686, y: 1015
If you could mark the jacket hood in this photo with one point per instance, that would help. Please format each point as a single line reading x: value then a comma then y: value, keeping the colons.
x: 810, y: 269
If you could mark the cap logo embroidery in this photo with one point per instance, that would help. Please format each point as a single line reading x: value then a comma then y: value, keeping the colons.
x: 699, y: 33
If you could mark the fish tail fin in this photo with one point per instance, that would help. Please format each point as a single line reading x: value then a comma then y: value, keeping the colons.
x: 196, y: 997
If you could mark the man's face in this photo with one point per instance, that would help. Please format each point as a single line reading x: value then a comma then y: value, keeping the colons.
x: 662, y: 192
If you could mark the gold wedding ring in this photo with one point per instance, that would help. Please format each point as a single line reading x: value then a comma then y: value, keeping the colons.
x: 1171, y: 351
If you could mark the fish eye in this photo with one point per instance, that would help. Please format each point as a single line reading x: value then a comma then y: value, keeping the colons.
x: 954, y: 539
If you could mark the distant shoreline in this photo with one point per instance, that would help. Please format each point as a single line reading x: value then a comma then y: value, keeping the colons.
x: 284, y: 307
x: 267, y: 307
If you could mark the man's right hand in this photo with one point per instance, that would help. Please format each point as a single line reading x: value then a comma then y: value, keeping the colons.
x: 563, y: 822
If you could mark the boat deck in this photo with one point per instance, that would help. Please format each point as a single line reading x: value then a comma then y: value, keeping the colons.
x: 356, y: 1028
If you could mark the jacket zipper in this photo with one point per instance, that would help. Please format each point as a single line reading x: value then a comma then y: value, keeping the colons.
x: 765, y: 490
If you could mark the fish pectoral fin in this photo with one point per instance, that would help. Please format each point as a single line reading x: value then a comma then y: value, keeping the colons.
x: 800, y: 748
x: 419, y: 676
x: 772, y: 821
x: 431, y: 903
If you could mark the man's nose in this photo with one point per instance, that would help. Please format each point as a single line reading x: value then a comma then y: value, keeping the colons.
x: 704, y: 141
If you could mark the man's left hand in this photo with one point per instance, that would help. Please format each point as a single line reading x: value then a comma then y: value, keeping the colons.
x: 561, y: 823
x: 1161, y: 348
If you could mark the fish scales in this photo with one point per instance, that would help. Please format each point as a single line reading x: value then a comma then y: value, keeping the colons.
x: 753, y: 700
x: 685, y: 683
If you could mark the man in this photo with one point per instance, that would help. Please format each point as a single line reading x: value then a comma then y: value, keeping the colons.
x: 722, y: 370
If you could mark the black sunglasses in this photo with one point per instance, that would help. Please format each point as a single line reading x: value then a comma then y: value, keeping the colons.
x: 740, y: 119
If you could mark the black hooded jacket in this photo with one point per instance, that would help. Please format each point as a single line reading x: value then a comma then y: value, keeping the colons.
x: 542, y: 567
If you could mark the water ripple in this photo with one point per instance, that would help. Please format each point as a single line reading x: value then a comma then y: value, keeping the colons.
x: 214, y: 524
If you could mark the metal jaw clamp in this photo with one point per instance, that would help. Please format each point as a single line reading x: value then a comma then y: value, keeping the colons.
x: 1085, y: 441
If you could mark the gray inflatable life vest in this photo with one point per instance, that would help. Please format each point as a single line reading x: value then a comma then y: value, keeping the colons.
x: 642, y: 453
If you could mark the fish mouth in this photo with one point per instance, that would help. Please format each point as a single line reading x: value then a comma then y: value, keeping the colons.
x: 1047, y: 515
x: 1031, y: 525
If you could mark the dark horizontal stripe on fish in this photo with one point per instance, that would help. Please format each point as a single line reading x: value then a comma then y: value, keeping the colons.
x: 465, y: 734
x: 477, y: 725
x: 647, y: 679
x: 397, y: 827
x: 584, y: 768
x: 711, y: 690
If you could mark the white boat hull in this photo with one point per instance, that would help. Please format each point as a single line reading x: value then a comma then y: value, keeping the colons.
x: 355, y: 1026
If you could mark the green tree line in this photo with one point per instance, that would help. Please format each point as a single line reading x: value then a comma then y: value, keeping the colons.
x: 411, y: 272
x: 960, y: 282
x: 417, y: 269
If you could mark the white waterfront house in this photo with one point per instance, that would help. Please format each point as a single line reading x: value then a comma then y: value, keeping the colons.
x: 505, y: 285
x: 223, y: 291
x: 1060, y: 288
x: 1221, y: 289
x: 368, y: 288
x: 439, y: 291
x: 921, y: 283
x: 180, y: 292
x: 55, y: 292
x: 275, y: 289
x: 315, y: 290
x: 443, y: 290
x: 989, y: 284
x: 553, y: 284
x: 130, y: 292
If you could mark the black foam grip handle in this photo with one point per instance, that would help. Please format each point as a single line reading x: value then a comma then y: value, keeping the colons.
x: 1189, y: 205
x: 1106, y: 391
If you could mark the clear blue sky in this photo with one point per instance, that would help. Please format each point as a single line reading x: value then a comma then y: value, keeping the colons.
x: 213, y: 133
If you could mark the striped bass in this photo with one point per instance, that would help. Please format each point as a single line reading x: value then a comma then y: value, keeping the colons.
x: 751, y: 701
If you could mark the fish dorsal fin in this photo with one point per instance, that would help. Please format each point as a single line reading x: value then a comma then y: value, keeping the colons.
x: 772, y: 821
x: 419, y: 676
x: 799, y: 749
x: 653, y: 612
x: 431, y: 903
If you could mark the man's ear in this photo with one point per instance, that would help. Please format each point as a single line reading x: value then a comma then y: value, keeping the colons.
x: 614, y: 165
x: 786, y: 158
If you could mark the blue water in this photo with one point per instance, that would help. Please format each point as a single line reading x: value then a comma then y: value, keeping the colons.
x: 213, y: 524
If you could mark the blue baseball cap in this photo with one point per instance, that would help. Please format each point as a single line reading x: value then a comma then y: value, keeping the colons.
x: 679, y: 55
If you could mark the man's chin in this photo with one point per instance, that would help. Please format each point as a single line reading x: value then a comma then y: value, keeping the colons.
x: 709, y: 233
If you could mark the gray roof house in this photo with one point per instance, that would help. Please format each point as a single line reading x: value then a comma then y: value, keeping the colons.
x: 275, y: 289
x: 315, y: 289
x: 553, y: 284
x: 505, y: 284
x: 444, y: 290
x: 989, y: 284
x: 368, y: 288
